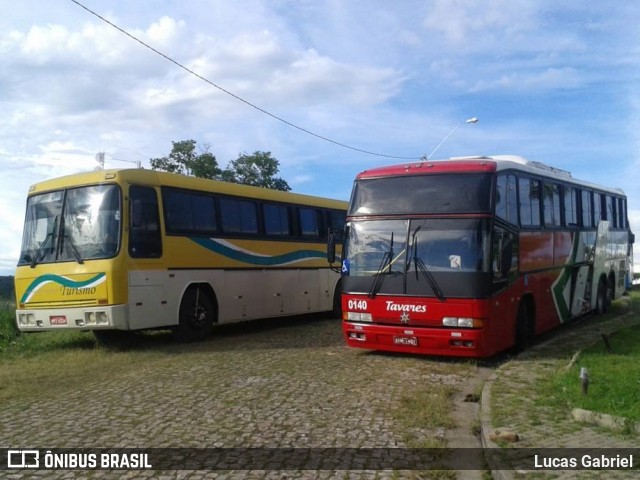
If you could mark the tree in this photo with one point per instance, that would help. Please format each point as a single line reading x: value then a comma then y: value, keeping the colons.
x: 183, y: 159
x: 258, y: 169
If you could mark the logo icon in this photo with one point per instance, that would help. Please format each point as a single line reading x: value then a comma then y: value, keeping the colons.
x: 346, y: 267
x: 23, y: 459
x: 404, y: 318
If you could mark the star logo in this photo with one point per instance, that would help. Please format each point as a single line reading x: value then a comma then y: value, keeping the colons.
x: 404, y: 318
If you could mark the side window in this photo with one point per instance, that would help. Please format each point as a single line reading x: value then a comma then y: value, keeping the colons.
x: 570, y: 206
x: 337, y: 220
x: 529, y: 202
x: 309, y: 222
x: 187, y: 212
x: 145, y: 240
x: 238, y: 216
x: 598, y: 213
x: 507, y: 199
x: 276, y: 219
x: 551, y: 204
x: 587, y: 210
x: 622, y: 214
x: 611, y: 211
x: 504, y: 254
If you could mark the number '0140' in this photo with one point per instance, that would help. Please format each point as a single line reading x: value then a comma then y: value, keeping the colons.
x: 357, y: 304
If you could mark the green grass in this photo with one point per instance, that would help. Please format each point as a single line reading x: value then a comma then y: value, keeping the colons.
x: 614, y: 377
x: 14, y: 344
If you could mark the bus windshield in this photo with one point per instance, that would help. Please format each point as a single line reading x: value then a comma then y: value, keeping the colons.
x: 449, y: 245
x: 422, y: 194
x: 72, y: 225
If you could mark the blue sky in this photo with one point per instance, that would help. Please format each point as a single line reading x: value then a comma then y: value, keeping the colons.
x: 557, y: 82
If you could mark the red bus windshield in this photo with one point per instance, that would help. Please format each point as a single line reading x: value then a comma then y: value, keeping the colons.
x: 423, y: 194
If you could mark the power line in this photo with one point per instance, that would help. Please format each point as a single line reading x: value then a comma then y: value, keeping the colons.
x: 246, y: 102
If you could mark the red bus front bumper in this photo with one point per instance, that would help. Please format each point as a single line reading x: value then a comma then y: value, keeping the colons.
x: 457, y: 342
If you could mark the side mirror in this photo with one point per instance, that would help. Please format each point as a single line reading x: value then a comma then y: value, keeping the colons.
x: 632, y: 238
x: 331, y: 247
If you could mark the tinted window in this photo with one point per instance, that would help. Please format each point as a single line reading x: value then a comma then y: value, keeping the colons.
x: 337, y: 219
x: 611, y: 212
x: 276, y: 220
x: 551, y: 204
x: 507, y: 199
x: 144, y: 232
x: 309, y: 222
x: 446, y: 193
x: 187, y: 212
x: 529, y: 202
x: 238, y: 216
x: 621, y: 214
x: 570, y: 206
x: 587, y: 210
x: 598, y: 212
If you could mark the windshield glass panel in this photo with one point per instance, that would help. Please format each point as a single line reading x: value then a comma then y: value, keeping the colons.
x: 74, y: 225
x: 422, y: 194
x: 40, y: 228
x: 449, y: 245
x: 441, y: 244
x: 369, y: 243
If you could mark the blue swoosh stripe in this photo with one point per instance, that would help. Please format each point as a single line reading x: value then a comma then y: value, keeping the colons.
x: 244, y: 257
x: 59, y: 280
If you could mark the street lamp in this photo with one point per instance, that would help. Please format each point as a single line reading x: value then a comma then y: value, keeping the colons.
x: 469, y: 120
x: 100, y: 161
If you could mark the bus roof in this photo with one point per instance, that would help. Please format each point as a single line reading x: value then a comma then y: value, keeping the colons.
x: 152, y: 177
x: 478, y: 164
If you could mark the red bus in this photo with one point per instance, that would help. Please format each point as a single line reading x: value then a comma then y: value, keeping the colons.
x: 473, y: 256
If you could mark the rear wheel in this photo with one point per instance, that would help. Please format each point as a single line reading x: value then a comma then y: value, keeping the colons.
x: 524, y: 327
x: 197, y: 315
x: 603, y: 297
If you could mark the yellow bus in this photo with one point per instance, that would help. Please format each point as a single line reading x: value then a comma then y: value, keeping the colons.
x: 133, y: 249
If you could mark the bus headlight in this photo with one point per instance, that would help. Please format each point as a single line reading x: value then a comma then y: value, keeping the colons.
x: 89, y: 318
x: 102, y: 318
x: 359, y: 317
x: 462, y: 322
x: 27, y: 319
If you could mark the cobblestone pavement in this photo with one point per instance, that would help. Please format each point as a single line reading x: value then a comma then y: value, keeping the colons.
x: 294, y: 384
x: 512, y: 391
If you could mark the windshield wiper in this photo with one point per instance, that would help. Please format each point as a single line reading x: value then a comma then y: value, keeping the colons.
x: 74, y: 249
x: 378, y: 278
x: 66, y: 236
x: 48, y: 237
x: 422, y: 268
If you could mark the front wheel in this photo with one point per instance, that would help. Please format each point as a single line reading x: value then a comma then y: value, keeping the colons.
x: 337, y: 301
x: 196, y: 316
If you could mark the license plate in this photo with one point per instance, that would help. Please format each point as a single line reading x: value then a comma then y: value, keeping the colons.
x: 413, y: 341
x: 58, y: 320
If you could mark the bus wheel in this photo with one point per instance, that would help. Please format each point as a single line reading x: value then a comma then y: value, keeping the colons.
x: 524, y: 327
x: 196, y: 316
x: 337, y: 300
x: 110, y: 338
x: 602, y: 297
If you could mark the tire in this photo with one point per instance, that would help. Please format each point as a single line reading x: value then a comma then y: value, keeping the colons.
x: 112, y: 338
x: 603, y: 297
x: 337, y: 301
x: 524, y: 328
x: 196, y: 316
